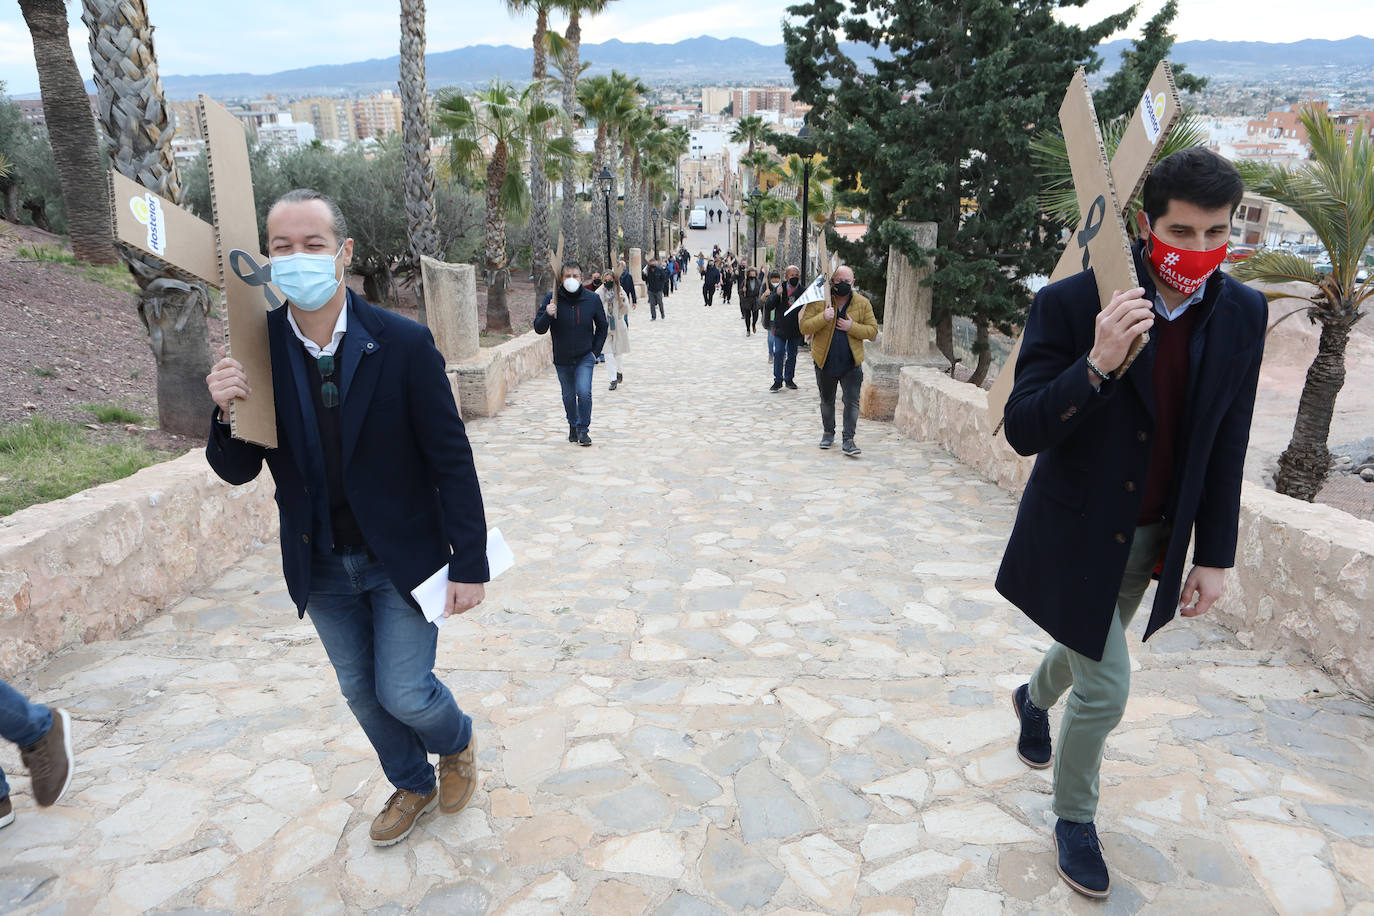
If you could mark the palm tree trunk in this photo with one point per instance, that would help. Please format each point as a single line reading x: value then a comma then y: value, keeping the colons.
x: 599, y: 222
x: 1303, y: 466
x: 612, y: 147
x: 539, y: 181
x: 498, y: 271
x: 133, y: 114
x: 421, y: 219
x: 66, y: 109
x: 570, y: 67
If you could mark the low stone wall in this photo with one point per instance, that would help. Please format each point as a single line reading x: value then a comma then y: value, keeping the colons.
x: 933, y: 407
x: 1304, y: 574
x: 94, y: 564
x: 482, y: 383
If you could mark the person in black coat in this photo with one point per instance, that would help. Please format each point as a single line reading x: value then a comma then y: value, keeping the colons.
x: 1128, y: 471
x: 576, y: 324
x: 657, y: 281
x: 376, y: 491
x: 710, y: 279
x: 727, y: 282
x: 784, y: 328
x: 750, y: 286
x: 627, y: 283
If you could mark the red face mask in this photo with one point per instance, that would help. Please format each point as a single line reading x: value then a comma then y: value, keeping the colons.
x: 1182, y: 268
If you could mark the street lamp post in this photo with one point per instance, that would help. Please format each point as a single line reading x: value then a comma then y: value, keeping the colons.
x: 735, y: 239
x: 805, y: 134
x: 654, y: 214
x: 605, y: 179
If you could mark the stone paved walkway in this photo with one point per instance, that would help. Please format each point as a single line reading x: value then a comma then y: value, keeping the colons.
x: 730, y: 673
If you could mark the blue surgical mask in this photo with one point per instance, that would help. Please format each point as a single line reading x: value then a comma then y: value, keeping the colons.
x: 307, y: 279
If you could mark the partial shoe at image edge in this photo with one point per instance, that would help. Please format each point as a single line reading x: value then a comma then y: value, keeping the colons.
x: 50, y: 777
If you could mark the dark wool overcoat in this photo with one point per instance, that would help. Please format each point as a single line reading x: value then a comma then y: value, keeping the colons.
x: 1067, y: 553
x: 407, y: 465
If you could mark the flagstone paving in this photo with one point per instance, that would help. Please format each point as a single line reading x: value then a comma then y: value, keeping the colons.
x: 729, y: 673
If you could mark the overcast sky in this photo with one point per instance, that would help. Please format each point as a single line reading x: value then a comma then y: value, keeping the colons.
x: 265, y: 36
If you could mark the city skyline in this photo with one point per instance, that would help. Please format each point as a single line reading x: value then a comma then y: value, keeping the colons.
x: 279, y: 36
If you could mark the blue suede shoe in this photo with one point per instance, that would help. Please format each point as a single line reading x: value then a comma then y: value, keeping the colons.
x: 1033, y: 746
x: 1080, y: 858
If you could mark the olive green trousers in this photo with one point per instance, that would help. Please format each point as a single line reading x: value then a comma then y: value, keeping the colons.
x: 1099, y: 689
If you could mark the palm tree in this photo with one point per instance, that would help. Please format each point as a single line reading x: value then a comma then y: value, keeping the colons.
x: 571, y: 69
x: 751, y: 130
x: 777, y: 206
x: 603, y: 101
x: 418, y: 173
x: 539, y: 179
x: 501, y: 120
x: 138, y: 134
x: 627, y: 90
x: 1334, y: 193
x: 1059, y: 200
x: 636, y: 130
x: 66, y: 109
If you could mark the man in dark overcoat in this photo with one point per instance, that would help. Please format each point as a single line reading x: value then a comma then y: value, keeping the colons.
x: 1129, y: 469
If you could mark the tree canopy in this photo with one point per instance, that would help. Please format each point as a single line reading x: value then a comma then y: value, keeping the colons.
x: 940, y: 131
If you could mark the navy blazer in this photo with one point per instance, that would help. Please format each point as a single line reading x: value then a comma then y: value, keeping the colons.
x: 407, y: 465
x: 1068, y: 548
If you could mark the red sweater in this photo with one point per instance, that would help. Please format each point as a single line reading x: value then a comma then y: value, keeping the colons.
x: 1171, y: 388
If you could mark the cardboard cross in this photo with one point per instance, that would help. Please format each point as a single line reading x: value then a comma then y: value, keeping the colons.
x: 1105, y: 192
x: 223, y: 254
x: 556, y: 261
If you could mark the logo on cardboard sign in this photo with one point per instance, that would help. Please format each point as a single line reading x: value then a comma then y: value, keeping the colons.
x: 148, y: 211
x: 1152, y: 114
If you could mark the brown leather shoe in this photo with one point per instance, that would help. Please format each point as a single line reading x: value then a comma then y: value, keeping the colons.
x: 458, y: 778
x: 398, y: 818
x: 49, y: 762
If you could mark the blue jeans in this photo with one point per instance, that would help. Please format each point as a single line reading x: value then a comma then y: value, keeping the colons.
x: 576, y: 382
x: 382, y: 651
x: 784, y: 359
x: 772, y: 341
x: 21, y: 722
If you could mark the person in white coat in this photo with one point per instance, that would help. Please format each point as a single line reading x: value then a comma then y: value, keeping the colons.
x: 617, y: 306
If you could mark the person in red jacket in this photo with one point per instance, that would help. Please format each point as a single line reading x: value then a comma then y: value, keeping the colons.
x: 1128, y: 471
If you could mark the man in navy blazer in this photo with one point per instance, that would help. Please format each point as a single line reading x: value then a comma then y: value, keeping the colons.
x: 376, y: 490
x: 1128, y: 471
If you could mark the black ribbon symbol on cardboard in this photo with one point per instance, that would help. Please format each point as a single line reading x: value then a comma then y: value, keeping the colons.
x: 254, y: 274
x: 1092, y: 224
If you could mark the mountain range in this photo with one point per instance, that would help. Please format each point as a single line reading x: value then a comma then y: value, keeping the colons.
x: 706, y: 61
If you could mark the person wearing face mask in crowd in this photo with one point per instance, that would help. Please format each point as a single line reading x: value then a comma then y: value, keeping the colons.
x: 727, y: 281
x: 785, y: 328
x: 1129, y: 470
x: 709, y: 281
x: 376, y: 489
x: 657, y: 281
x: 617, y: 346
x: 770, y: 288
x: 575, y: 321
x: 838, y: 332
x: 593, y: 284
x: 749, y: 290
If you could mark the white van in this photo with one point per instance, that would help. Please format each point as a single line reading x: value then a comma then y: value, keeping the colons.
x: 698, y: 219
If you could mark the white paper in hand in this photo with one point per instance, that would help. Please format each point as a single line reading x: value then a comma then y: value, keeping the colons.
x: 432, y: 594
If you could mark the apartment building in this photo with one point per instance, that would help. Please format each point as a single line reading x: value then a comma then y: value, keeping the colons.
x: 377, y: 115
x: 767, y: 98
x: 333, y: 119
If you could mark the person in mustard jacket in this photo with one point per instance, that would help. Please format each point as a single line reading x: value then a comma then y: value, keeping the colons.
x: 838, y: 332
